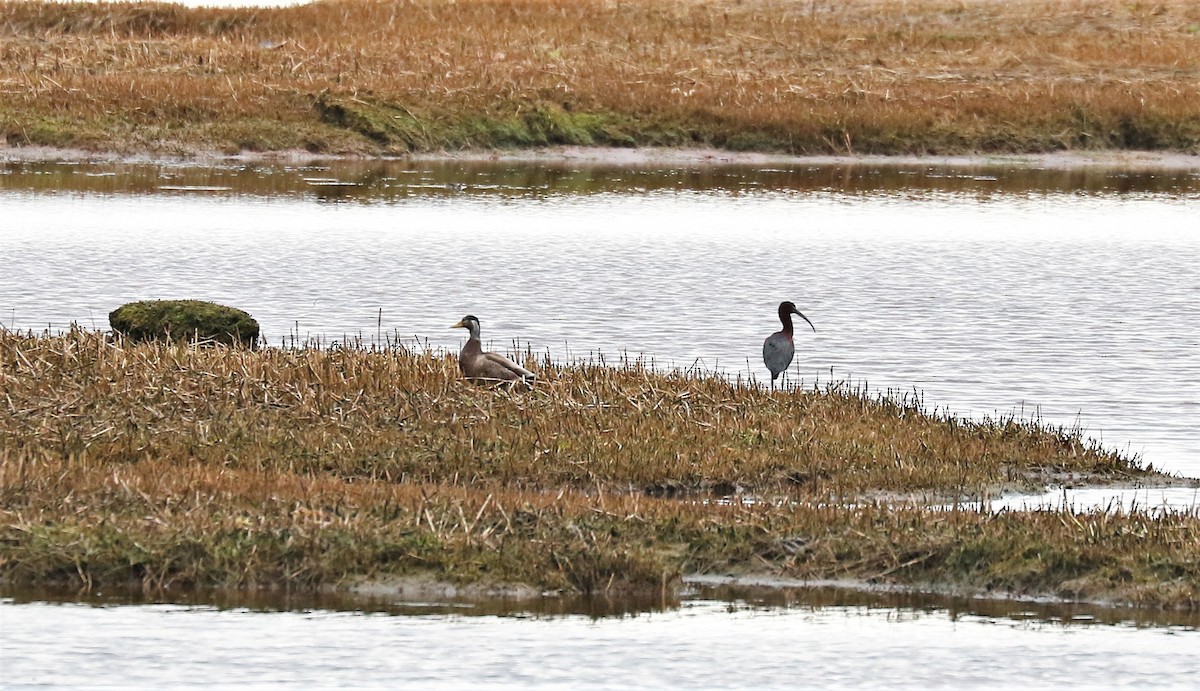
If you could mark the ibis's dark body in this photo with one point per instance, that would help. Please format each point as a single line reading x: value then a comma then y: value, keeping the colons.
x: 780, y: 347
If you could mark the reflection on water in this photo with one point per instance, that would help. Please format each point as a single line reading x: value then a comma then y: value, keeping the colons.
x: 1067, y: 296
x: 549, y: 605
x: 376, y: 181
x: 763, y: 593
x: 754, y: 640
x: 1153, y: 499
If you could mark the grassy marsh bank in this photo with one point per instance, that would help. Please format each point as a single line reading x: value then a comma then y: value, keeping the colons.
x: 174, y: 465
x: 871, y: 77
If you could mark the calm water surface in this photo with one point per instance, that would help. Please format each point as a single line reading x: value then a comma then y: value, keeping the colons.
x: 1067, y: 296
x: 850, y: 641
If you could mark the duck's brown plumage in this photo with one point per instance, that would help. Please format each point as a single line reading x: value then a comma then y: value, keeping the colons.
x: 478, y: 364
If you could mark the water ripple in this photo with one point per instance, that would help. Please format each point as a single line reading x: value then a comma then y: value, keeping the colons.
x: 1078, y: 310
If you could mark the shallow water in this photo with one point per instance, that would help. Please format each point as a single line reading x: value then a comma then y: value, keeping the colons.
x: 1066, y: 296
x: 1152, y: 499
x: 828, y: 639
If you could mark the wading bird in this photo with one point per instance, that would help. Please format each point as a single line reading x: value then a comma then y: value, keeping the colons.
x: 488, y: 367
x: 779, y: 348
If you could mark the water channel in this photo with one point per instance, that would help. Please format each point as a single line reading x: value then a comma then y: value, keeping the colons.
x: 824, y: 638
x: 1068, y: 296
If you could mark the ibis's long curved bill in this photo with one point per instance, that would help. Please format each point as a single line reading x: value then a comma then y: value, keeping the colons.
x: 810, y: 324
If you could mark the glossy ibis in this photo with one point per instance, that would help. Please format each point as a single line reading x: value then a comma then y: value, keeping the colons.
x: 779, y: 348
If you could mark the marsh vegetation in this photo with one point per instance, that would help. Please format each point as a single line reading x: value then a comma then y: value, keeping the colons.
x: 920, y: 76
x: 178, y: 465
x: 173, y: 464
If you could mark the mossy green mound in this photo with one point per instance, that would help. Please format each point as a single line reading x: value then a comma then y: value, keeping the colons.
x: 150, y: 320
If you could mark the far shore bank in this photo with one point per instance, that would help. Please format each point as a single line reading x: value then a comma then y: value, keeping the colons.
x: 631, y: 157
x: 830, y: 80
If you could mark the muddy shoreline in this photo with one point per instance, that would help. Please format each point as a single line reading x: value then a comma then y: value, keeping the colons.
x: 494, y: 597
x: 429, y: 588
x: 634, y: 157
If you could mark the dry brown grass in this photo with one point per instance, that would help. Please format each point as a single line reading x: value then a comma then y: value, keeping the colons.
x: 403, y: 416
x: 167, y: 525
x: 869, y: 76
x: 179, y: 465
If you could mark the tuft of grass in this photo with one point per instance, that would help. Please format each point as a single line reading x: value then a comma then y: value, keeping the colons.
x: 888, y: 77
x: 182, y: 320
x: 391, y: 126
x: 173, y: 465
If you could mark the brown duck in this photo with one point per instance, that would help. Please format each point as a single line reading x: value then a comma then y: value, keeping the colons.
x: 488, y: 367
